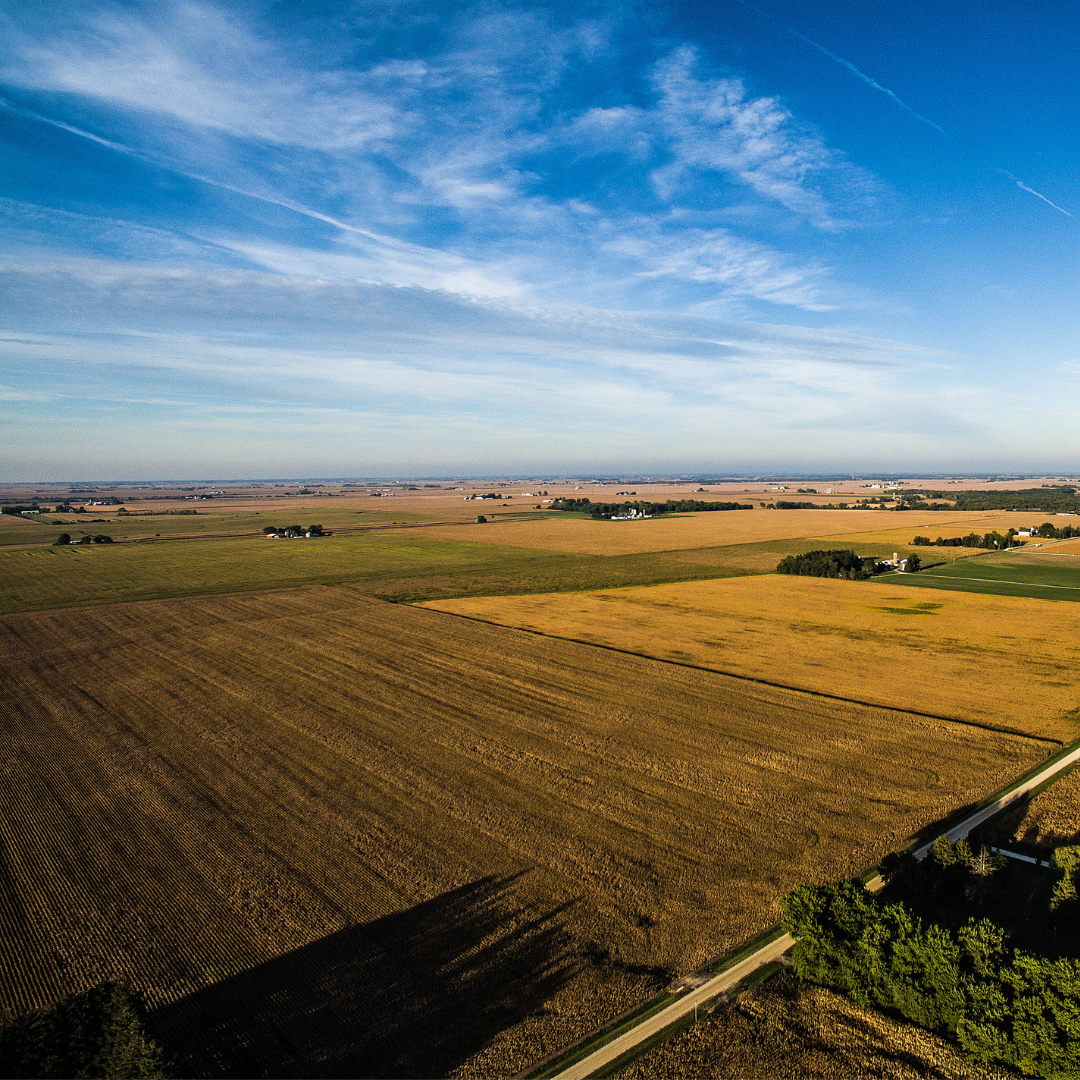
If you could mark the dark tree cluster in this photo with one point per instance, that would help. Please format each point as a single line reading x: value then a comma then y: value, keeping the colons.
x: 998, y: 1003
x: 99, y: 1033
x: 1051, y: 532
x: 972, y: 540
x: 831, y: 564
x: 27, y: 508
x: 293, y: 530
x: 1056, y: 499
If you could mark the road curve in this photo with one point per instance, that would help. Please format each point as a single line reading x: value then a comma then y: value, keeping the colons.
x: 773, y: 950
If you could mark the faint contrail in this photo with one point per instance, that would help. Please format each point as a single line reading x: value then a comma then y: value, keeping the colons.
x: 870, y: 82
x: 288, y: 204
x: 1021, y: 184
x: 892, y: 97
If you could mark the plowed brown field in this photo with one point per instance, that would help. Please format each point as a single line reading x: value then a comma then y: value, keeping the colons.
x: 991, y: 659
x: 326, y: 835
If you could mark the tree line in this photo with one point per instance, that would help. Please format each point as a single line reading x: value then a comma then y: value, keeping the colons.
x: 1054, y: 498
x: 1050, y: 531
x: 652, y: 509
x: 972, y: 540
x: 102, y: 1032
x: 962, y: 980
x: 831, y: 564
x: 86, y: 538
x: 293, y: 530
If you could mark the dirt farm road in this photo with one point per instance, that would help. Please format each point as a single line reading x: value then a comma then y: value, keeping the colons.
x: 704, y: 991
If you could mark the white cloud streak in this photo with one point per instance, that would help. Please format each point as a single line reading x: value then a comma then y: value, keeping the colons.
x: 1032, y: 191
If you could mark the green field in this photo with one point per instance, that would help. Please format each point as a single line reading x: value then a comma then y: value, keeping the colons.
x: 330, y: 514
x: 401, y: 566
x: 1043, y: 577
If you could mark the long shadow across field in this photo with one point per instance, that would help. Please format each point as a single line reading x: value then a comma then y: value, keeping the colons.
x: 408, y: 995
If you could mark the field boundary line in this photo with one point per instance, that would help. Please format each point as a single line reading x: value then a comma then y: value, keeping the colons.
x: 992, y: 581
x: 614, y: 1049
x: 999, y: 729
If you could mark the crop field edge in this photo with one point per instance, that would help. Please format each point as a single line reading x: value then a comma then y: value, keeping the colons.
x: 999, y: 729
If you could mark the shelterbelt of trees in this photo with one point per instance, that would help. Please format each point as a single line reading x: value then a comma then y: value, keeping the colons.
x: 998, y: 1003
x: 834, y: 564
x: 973, y: 540
x: 652, y: 509
x: 1053, y: 499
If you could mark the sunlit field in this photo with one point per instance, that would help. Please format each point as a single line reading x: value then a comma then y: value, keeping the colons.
x: 311, y: 826
x: 868, y: 640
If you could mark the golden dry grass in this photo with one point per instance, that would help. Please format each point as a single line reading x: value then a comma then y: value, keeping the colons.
x: 327, y: 835
x: 1052, y: 818
x: 900, y: 529
x: 835, y: 528
x: 992, y: 659
x: 786, y: 1030
x: 1057, y: 547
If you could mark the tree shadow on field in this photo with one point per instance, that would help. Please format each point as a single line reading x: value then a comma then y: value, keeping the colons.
x: 408, y: 995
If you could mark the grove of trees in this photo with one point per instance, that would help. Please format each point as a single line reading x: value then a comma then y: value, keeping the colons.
x: 99, y: 1033
x: 832, y: 564
x: 998, y: 1003
x: 651, y: 509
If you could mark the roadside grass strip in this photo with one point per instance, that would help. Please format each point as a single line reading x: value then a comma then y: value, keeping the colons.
x: 589, y: 1044
x: 743, y: 986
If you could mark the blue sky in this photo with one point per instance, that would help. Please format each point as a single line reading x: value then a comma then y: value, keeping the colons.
x: 318, y: 239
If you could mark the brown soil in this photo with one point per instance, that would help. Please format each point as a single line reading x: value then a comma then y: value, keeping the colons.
x: 326, y: 835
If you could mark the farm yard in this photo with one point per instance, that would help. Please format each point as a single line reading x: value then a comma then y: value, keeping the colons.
x: 466, y: 844
x: 858, y: 639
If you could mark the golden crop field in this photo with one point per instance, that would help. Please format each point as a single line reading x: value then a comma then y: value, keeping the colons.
x: 991, y: 659
x: 784, y: 1030
x: 327, y: 835
x: 555, y: 532
x: 1052, y: 818
x: 834, y: 528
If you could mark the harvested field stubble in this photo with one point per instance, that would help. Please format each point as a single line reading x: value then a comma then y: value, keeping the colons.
x: 995, y: 660
x: 783, y: 1029
x: 324, y: 835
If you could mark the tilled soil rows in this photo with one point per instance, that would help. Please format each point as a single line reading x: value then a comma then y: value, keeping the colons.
x: 326, y: 835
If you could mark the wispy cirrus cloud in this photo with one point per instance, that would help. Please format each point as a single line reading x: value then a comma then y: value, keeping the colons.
x: 458, y: 154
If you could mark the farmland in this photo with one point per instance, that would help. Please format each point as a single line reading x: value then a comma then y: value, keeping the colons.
x: 463, y: 844
x: 864, y: 640
x: 408, y: 555
x: 1052, y: 817
x: 1039, y: 575
x: 410, y: 564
